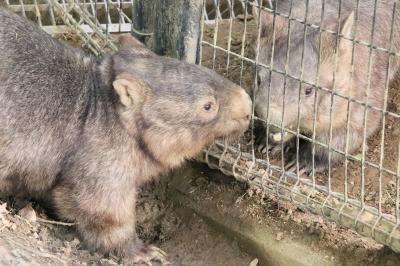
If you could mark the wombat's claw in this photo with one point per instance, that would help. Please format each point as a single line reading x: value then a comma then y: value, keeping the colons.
x: 292, y: 167
x: 277, y: 150
x: 262, y: 148
x: 303, y: 168
x: 151, y: 253
x: 273, y: 150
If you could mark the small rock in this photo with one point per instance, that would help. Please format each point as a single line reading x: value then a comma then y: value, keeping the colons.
x: 107, y: 262
x: 369, y: 197
x: 335, y: 201
x: 297, y: 220
x: 249, y: 164
x: 279, y: 236
x: 201, y: 181
x: 67, y: 250
x: 236, y: 42
x: 3, y: 209
x: 254, y: 262
x: 13, y: 226
x: 75, y: 242
x: 28, y: 213
x: 6, y: 223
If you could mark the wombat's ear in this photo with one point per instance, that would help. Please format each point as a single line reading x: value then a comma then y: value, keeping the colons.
x: 266, y: 18
x: 128, y: 42
x: 132, y: 91
x: 347, y: 26
x: 346, y: 45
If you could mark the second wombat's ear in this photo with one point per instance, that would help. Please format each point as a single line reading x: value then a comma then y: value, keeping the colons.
x: 346, y: 45
x: 132, y: 91
x: 347, y: 27
x: 128, y: 42
x: 266, y: 18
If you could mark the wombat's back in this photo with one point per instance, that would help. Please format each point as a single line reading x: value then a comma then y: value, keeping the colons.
x: 44, y: 87
x: 36, y: 70
x: 368, y: 17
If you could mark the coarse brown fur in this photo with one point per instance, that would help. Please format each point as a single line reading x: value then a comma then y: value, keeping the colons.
x: 340, y: 72
x: 82, y: 133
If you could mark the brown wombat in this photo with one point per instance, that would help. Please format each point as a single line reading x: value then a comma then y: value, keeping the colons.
x: 295, y: 103
x: 83, y: 133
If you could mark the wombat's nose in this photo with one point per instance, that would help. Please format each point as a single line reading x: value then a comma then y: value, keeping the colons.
x: 246, y: 106
x: 241, y: 105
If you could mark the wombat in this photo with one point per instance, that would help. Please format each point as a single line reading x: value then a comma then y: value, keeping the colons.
x: 295, y: 103
x: 83, y: 133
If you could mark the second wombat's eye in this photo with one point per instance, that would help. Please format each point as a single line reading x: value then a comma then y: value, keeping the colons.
x: 258, y: 81
x: 308, y: 91
x: 207, y: 106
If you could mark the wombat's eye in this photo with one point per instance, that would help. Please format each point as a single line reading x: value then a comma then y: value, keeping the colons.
x: 309, y: 91
x: 207, y: 106
x: 258, y: 81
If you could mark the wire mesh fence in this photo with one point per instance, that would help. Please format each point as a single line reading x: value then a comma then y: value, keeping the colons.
x: 113, y: 15
x: 325, y: 131
x: 223, y: 9
x: 91, y: 21
x: 322, y: 74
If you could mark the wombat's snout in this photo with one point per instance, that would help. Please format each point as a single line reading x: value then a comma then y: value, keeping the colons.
x: 273, y: 113
x: 242, y: 108
x: 248, y: 105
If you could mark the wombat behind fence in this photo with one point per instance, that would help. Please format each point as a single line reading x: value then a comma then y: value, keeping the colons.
x: 318, y: 56
x: 82, y: 133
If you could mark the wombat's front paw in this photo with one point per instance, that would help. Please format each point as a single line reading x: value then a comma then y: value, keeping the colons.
x: 150, y: 253
x: 305, y: 166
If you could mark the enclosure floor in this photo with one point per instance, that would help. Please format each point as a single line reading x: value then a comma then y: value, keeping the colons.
x: 187, y: 239
x: 197, y: 244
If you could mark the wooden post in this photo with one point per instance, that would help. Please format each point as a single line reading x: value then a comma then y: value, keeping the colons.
x: 177, y: 28
x: 175, y: 25
x: 143, y: 18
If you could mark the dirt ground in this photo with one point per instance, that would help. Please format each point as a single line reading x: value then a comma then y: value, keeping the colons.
x: 36, y: 239
x: 233, y: 198
x: 242, y: 72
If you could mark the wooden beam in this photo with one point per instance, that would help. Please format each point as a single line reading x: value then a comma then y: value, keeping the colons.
x: 177, y: 29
